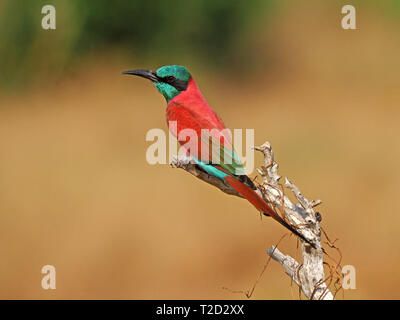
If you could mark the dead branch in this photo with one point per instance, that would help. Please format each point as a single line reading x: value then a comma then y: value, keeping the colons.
x: 309, y: 275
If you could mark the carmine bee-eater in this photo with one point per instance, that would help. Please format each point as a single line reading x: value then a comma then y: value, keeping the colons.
x: 187, y: 108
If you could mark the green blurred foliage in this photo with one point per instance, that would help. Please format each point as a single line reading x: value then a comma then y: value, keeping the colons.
x: 210, y: 31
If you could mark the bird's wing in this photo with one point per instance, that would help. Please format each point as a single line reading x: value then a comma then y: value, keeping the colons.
x: 222, y: 153
x: 215, y: 143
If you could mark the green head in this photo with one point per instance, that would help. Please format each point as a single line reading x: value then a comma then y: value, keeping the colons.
x: 170, y: 81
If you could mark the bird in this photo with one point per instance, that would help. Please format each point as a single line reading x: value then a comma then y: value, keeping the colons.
x: 189, y: 110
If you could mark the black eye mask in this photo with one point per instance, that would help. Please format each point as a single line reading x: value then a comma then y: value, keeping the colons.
x: 180, y: 85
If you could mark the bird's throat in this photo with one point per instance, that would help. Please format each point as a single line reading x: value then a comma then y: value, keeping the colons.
x: 169, y: 92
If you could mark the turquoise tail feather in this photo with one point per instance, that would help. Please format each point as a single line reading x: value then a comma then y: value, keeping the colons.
x: 210, y: 169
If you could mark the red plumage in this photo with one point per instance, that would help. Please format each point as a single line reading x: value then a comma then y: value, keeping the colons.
x: 190, y: 110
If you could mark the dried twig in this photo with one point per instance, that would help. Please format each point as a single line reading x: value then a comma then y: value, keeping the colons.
x: 309, y: 275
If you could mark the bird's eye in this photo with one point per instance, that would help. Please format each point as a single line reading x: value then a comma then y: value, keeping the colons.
x: 170, y: 79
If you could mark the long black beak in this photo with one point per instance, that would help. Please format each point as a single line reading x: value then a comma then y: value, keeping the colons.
x: 148, y: 74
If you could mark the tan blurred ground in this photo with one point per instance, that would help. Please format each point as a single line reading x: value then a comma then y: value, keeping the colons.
x: 77, y: 193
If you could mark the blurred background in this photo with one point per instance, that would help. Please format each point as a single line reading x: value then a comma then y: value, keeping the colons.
x: 76, y: 191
